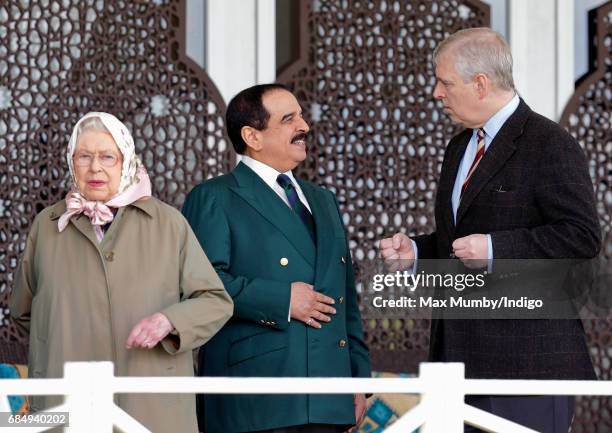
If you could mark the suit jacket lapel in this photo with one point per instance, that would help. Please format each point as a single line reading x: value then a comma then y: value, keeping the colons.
x: 323, y: 228
x: 499, y: 151
x: 449, y: 175
x: 255, y: 192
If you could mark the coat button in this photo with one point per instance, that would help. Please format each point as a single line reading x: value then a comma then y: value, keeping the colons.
x: 341, y: 300
x: 342, y: 259
x: 284, y: 261
x: 109, y: 256
x: 342, y: 343
x: 52, y: 214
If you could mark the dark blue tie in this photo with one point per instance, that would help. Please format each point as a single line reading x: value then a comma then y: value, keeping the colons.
x: 296, y: 204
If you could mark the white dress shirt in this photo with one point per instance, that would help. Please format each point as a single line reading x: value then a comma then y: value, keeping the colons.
x: 269, y: 176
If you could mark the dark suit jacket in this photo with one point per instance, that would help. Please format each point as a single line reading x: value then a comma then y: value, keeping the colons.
x: 259, y: 246
x: 547, y: 211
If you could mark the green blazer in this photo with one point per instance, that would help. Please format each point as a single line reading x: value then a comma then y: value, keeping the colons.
x: 259, y: 246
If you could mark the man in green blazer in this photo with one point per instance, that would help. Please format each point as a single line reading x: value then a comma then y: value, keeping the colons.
x: 280, y: 248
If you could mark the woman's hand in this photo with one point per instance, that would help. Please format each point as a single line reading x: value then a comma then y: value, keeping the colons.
x: 149, y: 331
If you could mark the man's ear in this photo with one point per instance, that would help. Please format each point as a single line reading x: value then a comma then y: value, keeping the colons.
x: 250, y: 136
x: 482, y: 85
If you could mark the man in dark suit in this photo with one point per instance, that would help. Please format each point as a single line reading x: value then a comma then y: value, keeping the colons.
x: 513, y: 185
x: 279, y: 246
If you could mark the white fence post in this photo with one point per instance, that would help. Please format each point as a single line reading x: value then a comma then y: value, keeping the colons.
x: 91, y: 400
x: 90, y: 388
x: 5, y: 405
x: 443, y: 400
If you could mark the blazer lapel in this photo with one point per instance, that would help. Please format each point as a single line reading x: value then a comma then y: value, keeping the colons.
x: 257, y: 194
x: 449, y: 175
x: 323, y: 227
x: 494, y: 159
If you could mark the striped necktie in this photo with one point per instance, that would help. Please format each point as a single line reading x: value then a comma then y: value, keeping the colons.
x: 480, y: 146
x: 296, y: 204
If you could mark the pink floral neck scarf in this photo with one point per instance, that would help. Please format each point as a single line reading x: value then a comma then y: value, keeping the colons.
x: 134, y: 185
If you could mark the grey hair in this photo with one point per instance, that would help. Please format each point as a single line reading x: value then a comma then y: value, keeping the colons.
x: 479, y: 50
x: 92, y: 124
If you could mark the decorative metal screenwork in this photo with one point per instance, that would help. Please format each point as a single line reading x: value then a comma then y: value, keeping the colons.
x: 365, y: 79
x: 587, y: 118
x: 59, y: 60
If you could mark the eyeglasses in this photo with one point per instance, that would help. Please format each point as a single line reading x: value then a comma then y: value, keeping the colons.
x: 86, y: 159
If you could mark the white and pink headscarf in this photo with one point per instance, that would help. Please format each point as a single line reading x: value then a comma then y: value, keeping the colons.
x: 134, y: 184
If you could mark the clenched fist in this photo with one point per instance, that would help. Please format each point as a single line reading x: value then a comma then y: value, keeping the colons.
x: 397, y: 252
x: 472, y: 250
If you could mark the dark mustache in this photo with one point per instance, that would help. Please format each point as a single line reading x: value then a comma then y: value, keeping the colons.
x: 300, y: 136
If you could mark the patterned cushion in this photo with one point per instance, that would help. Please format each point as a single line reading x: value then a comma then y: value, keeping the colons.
x: 10, y: 371
x: 384, y: 409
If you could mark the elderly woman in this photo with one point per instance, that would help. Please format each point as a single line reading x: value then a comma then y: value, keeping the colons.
x: 113, y: 274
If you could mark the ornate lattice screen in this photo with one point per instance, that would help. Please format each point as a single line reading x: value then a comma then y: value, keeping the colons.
x: 587, y: 118
x: 365, y: 79
x: 59, y: 60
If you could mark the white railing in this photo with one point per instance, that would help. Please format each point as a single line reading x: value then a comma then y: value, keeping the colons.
x: 90, y: 387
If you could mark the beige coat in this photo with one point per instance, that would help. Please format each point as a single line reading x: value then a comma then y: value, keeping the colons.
x: 79, y: 299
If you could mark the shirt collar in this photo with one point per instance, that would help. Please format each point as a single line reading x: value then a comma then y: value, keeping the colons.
x: 267, y: 173
x: 496, y: 121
